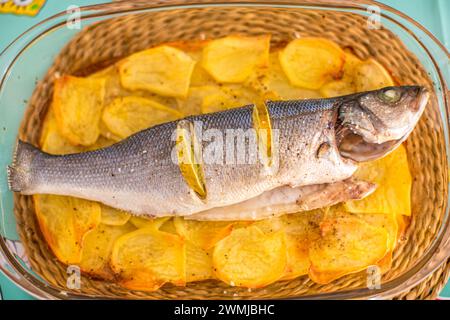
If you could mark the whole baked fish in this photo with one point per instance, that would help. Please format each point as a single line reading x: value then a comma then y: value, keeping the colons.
x: 318, y: 142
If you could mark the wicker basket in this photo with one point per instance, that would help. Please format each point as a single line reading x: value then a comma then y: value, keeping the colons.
x: 103, y: 43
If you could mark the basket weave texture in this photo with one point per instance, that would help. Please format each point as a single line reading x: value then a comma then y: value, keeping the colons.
x: 104, y: 42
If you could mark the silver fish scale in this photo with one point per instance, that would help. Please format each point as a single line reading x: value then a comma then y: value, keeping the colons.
x: 138, y: 174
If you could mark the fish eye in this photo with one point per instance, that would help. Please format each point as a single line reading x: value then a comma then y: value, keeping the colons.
x: 389, y: 96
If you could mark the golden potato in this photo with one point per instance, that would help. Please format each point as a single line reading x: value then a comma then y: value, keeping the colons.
x: 97, y: 248
x: 198, y: 263
x: 204, y: 234
x: 272, y: 83
x: 233, y: 59
x: 163, y: 70
x: 345, y: 85
x: 371, y: 75
x: 155, y: 223
x: 78, y: 103
x: 114, y: 217
x: 147, y: 258
x: 310, y: 62
x: 393, y: 194
x: 64, y: 222
x: 347, y: 245
x: 52, y: 141
x: 301, y: 230
x: 128, y: 115
x: 250, y: 258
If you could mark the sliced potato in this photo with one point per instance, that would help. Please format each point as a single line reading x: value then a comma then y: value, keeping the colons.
x: 198, y: 263
x: 101, y: 143
x: 345, y: 85
x: 114, y: 217
x: 393, y: 194
x: 301, y: 230
x: 347, y: 245
x: 250, y: 258
x: 52, y: 141
x: 233, y: 59
x: 273, y: 84
x: 155, y: 223
x: 97, y: 248
x: 64, y: 222
x: 78, y: 103
x: 371, y: 75
x: 128, y: 115
x: 163, y: 70
x: 147, y: 258
x: 204, y: 234
x: 310, y: 62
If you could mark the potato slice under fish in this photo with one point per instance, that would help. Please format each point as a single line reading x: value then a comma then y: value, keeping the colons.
x: 273, y: 84
x: 250, y: 258
x: 393, y: 194
x: 78, y: 104
x: 97, y: 248
x: 145, y: 259
x: 347, y: 245
x: 155, y: 223
x: 128, y: 115
x: 51, y: 141
x: 198, y: 263
x: 301, y: 230
x: 204, y: 234
x: 163, y: 70
x: 114, y: 217
x: 233, y: 59
x: 64, y: 222
x: 371, y: 75
x: 345, y: 85
x: 310, y: 62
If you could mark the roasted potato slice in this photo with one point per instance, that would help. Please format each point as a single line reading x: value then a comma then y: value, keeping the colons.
x: 204, y: 234
x: 64, y: 222
x: 345, y: 85
x: 371, y: 75
x: 250, y: 258
x: 163, y: 70
x: 301, y: 230
x: 147, y: 258
x: 198, y: 263
x: 233, y: 59
x: 114, y: 217
x: 393, y: 194
x: 347, y: 245
x: 78, y: 104
x: 155, y: 223
x: 310, y: 62
x: 128, y: 115
x: 273, y: 84
x: 97, y: 248
x: 52, y: 141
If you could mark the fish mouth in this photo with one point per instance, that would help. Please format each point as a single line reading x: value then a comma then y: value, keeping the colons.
x: 352, y: 145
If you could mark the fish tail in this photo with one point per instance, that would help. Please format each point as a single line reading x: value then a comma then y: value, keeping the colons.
x: 19, y: 172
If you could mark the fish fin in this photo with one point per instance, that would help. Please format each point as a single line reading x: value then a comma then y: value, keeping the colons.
x: 18, y: 171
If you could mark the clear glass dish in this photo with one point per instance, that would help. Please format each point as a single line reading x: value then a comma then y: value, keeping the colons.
x: 27, y: 60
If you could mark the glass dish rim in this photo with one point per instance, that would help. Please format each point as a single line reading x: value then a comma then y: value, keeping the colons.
x: 128, y: 7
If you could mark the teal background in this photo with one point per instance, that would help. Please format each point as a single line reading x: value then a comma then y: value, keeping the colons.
x: 433, y: 14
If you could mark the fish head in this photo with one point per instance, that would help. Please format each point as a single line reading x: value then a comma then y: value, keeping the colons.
x: 371, y: 124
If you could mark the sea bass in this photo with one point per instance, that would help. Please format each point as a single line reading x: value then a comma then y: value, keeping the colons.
x: 318, y: 145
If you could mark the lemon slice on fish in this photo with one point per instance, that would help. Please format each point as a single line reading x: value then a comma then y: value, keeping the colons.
x: 189, y: 159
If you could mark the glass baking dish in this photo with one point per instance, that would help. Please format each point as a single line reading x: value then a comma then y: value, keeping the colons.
x: 84, y: 38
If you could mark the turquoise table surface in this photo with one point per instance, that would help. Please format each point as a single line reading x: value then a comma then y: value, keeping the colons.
x: 433, y: 14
